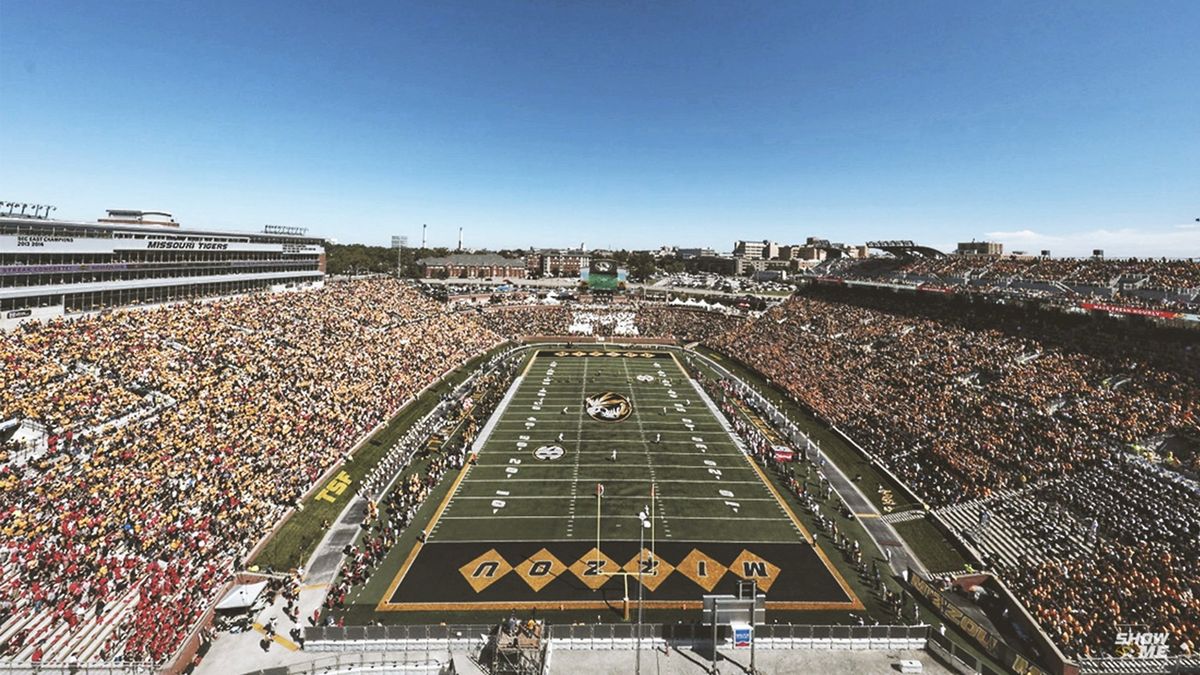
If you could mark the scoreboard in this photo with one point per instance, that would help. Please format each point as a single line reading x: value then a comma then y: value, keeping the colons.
x: 603, y: 276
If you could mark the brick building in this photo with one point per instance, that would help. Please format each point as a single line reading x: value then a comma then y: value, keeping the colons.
x: 472, y: 266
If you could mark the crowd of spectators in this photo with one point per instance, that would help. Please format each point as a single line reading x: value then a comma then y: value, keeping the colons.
x: 456, y: 424
x: 649, y: 320
x: 962, y: 400
x: 269, y: 391
x: 1144, y: 569
x: 1159, y: 273
x: 1163, y: 284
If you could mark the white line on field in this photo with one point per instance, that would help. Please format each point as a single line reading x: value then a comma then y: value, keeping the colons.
x: 719, y: 519
x: 684, y: 498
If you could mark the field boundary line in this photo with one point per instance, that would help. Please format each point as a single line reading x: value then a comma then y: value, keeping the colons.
x: 475, y: 447
x: 811, y: 540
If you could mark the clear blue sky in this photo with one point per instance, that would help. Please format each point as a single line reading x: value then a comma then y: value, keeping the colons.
x: 632, y: 124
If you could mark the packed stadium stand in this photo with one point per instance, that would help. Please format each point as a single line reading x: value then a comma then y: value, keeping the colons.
x: 118, y: 530
x: 1046, y: 420
x: 1170, y: 285
x: 146, y: 452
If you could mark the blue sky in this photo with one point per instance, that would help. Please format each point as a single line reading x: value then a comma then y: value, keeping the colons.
x: 634, y: 124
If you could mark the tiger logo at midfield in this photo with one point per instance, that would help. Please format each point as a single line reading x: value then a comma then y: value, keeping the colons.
x: 608, y: 407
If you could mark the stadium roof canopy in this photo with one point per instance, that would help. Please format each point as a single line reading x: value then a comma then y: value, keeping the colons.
x: 904, y: 248
x: 831, y: 249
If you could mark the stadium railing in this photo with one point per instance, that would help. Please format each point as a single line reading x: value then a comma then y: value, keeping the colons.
x: 63, y: 668
x: 441, y: 638
x: 345, y: 664
x: 1130, y: 665
x: 958, y: 657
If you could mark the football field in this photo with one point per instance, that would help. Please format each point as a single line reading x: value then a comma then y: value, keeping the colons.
x: 587, y: 446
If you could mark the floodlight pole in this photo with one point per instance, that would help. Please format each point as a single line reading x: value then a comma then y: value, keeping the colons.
x: 753, y: 637
x: 641, y: 591
x: 598, y: 553
x: 653, y: 496
x: 715, y: 613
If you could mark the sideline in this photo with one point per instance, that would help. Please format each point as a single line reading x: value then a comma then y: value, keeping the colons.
x: 896, y: 551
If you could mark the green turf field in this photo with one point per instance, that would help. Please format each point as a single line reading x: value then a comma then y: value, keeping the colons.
x: 519, y: 527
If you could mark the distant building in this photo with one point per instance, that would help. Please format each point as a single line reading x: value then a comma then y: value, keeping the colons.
x: 689, y: 253
x: 756, y: 250
x: 749, y: 265
x: 557, y: 263
x: 715, y: 264
x: 991, y: 248
x: 472, y: 266
x: 805, y: 253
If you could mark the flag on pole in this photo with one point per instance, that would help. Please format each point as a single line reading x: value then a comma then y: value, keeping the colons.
x: 599, y: 490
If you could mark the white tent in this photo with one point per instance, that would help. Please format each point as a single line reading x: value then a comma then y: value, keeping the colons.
x: 241, y: 597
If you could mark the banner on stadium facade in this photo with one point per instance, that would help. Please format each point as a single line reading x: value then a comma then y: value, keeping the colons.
x: 52, y: 244
x: 936, y: 288
x: 949, y: 610
x: 1133, y: 311
x: 880, y: 284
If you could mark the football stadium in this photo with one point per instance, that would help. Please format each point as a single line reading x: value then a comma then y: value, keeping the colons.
x: 787, y: 338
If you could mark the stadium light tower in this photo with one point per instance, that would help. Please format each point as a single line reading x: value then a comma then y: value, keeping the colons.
x: 399, y: 243
x: 644, y: 517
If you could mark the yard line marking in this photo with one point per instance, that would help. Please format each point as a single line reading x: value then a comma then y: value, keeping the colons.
x: 729, y: 451
x: 661, y: 512
x: 510, y: 481
x: 578, y: 443
x: 548, y: 466
x: 608, y: 496
x: 719, y: 519
x: 544, y: 539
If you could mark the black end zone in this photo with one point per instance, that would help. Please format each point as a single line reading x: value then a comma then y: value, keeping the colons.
x: 463, y: 576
